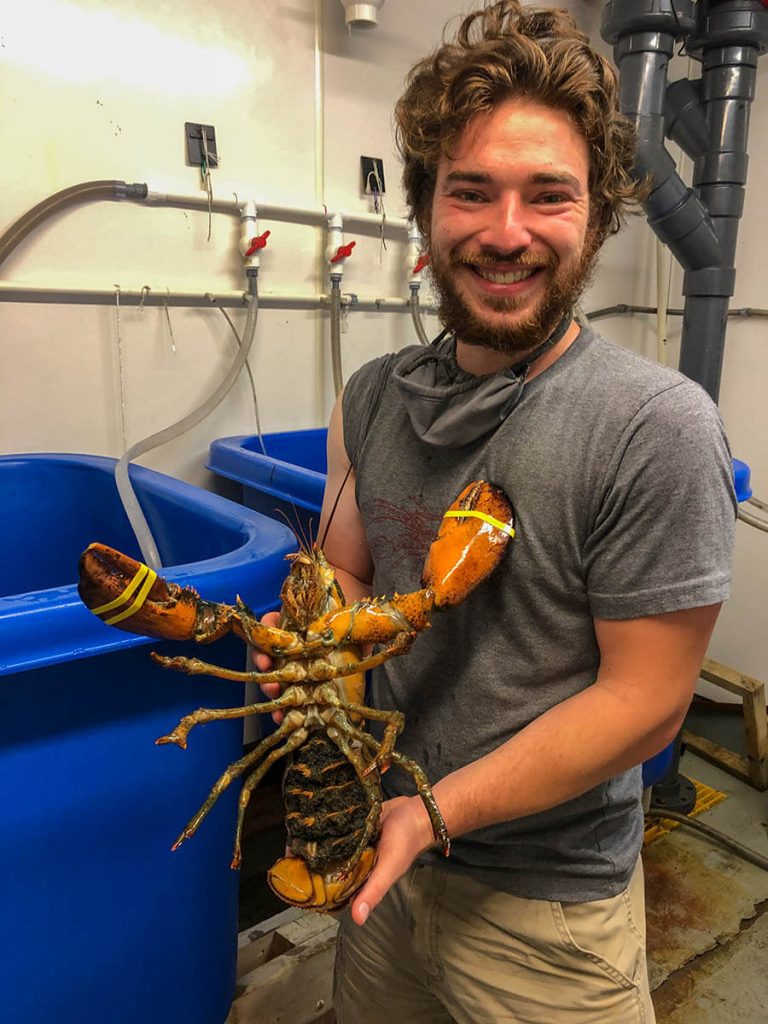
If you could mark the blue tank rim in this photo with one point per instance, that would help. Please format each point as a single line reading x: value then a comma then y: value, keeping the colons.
x: 741, y: 480
x: 45, y: 627
x: 228, y: 457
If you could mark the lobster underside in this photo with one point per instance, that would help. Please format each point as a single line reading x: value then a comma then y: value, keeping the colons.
x: 327, y: 808
x: 332, y: 786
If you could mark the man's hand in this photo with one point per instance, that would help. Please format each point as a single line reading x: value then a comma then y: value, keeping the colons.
x: 264, y: 664
x: 406, y: 832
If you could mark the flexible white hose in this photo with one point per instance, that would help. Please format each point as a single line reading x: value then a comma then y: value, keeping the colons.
x: 338, y: 377
x: 125, y: 489
x: 418, y: 323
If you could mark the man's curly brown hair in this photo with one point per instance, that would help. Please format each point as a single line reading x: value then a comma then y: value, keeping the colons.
x: 507, y: 51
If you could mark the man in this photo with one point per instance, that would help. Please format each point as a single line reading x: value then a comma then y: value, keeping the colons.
x: 530, y: 705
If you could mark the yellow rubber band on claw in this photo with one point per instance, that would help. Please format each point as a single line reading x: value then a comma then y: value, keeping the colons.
x: 142, y: 581
x: 473, y: 513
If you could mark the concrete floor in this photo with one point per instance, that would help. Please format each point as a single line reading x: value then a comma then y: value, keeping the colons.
x: 708, y: 912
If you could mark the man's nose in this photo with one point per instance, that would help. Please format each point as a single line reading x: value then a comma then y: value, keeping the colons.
x: 507, y: 227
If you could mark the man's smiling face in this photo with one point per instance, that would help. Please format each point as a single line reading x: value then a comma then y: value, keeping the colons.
x: 509, y: 239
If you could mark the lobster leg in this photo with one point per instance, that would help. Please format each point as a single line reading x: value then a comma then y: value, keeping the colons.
x: 293, y: 743
x: 292, y: 698
x: 395, y: 722
x: 294, y: 672
x: 422, y: 783
x: 235, y: 770
x: 424, y: 790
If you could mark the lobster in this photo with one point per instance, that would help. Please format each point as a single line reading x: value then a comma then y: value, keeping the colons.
x: 332, y: 788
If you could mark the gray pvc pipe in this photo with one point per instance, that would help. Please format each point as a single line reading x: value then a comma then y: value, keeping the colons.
x: 711, y: 121
x: 727, y: 90
x: 86, y: 191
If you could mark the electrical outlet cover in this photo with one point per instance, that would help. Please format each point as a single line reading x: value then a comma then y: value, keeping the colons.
x: 372, y: 168
x: 195, y: 149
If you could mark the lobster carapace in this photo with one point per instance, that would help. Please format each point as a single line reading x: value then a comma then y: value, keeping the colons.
x: 332, y: 785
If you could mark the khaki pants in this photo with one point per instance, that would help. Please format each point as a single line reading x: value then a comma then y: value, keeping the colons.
x: 445, y: 949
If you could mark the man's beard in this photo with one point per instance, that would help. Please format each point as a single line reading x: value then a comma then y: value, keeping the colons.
x: 558, y: 301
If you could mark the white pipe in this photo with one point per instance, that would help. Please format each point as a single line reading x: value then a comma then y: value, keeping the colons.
x: 319, y: 321
x: 414, y: 250
x: 249, y: 230
x: 10, y: 292
x: 267, y: 211
x: 333, y: 253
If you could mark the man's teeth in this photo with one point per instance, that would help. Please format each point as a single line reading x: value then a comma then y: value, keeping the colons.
x: 504, y: 277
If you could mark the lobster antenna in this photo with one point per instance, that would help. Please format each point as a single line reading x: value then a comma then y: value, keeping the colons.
x: 335, y: 505
x: 306, y: 538
x: 290, y: 525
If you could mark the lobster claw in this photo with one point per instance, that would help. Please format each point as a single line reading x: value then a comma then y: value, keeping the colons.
x: 125, y: 593
x: 469, y: 545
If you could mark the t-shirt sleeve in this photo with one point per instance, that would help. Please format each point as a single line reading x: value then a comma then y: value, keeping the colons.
x: 663, y: 533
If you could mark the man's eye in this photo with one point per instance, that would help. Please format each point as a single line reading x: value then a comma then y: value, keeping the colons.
x: 468, y: 196
x: 552, y: 198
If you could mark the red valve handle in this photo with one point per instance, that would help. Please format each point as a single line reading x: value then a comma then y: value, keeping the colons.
x: 343, y: 251
x: 421, y: 262
x: 257, y: 243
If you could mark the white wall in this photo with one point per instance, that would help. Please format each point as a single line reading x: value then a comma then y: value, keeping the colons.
x: 101, y: 90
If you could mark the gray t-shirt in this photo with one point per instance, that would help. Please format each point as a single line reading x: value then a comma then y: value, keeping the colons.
x: 621, y: 480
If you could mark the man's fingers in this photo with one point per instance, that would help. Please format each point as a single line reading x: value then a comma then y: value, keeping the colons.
x: 264, y: 663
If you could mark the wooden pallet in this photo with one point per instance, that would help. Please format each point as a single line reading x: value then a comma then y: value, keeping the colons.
x: 285, y: 970
x: 752, y: 769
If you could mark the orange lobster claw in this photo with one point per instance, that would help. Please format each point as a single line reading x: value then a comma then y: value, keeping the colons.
x: 469, y: 545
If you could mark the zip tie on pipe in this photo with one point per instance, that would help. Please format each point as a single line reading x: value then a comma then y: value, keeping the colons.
x: 473, y: 513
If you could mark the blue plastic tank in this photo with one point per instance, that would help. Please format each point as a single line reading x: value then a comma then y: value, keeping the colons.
x: 100, y: 920
x: 287, y: 483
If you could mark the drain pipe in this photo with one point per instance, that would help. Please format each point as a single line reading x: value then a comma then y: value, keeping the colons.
x: 729, y: 39
x: 710, y: 121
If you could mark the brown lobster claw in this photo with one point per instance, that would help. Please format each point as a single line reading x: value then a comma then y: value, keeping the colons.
x: 129, y: 595
x: 125, y: 593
